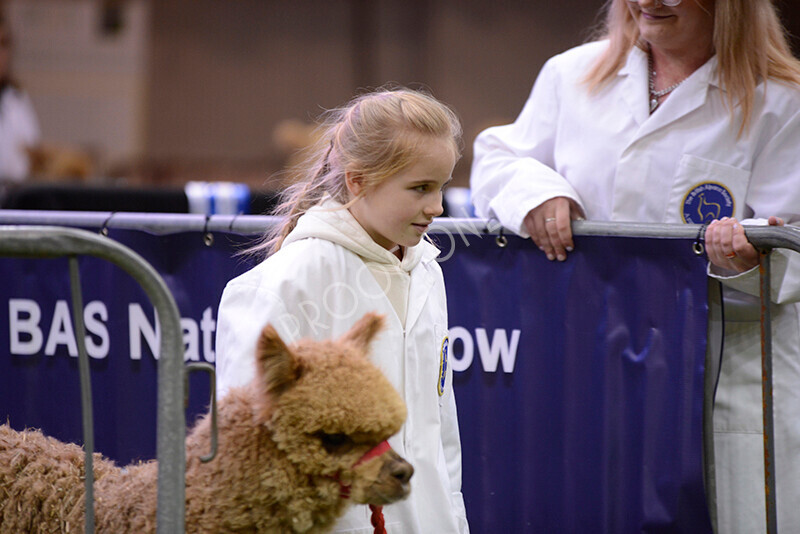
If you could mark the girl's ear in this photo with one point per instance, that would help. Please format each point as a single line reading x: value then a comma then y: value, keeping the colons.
x: 354, y: 182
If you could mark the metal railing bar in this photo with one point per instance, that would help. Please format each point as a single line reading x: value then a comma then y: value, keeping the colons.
x: 160, y: 223
x: 86, y: 393
x: 52, y: 242
x: 154, y: 223
x: 212, y: 403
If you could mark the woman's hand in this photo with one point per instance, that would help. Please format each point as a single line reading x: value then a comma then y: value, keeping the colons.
x: 727, y: 246
x: 549, y: 226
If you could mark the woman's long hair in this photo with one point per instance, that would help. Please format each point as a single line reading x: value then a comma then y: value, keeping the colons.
x: 749, y: 41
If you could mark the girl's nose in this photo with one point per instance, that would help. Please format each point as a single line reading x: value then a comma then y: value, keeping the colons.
x: 434, y: 208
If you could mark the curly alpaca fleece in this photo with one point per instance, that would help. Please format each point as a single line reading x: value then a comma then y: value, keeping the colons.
x: 288, y: 442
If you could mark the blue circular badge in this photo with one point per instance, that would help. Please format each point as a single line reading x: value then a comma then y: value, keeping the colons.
x: 707, y: 201
x: 443, y: 366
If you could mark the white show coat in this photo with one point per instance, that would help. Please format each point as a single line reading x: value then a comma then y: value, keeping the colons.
x: 314, y: 287
x: 683, y: 163
x: 18, y: 129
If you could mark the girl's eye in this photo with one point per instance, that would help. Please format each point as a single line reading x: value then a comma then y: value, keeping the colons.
x: 421, y: 189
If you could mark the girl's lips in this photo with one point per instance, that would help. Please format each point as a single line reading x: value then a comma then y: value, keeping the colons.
x: 420, y: 227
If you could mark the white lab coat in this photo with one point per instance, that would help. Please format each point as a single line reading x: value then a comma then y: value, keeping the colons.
x: 18, y: 129
x: 318, y: 287
x: 619, y: 163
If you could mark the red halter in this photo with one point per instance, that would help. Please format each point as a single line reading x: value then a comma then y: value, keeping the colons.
x: 377, y: 450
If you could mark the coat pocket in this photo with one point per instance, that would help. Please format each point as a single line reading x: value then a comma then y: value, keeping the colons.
x: 704, y: 190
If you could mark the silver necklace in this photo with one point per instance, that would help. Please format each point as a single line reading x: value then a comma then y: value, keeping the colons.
x: 655, y: 95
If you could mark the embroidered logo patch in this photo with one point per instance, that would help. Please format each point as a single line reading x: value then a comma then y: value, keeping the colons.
x: 443, y: 365
x: 707, y: 201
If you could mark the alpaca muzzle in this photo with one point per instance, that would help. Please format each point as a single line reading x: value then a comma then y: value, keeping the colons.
x: 381, y: 482
x: 382, y: 477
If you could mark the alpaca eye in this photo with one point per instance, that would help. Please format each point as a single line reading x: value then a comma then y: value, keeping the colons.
x: 338, y: 443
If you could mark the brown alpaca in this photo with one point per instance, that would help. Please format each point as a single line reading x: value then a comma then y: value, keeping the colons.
x: 293, y: 444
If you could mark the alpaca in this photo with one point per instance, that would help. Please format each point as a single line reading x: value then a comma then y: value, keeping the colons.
x: 306, y: 437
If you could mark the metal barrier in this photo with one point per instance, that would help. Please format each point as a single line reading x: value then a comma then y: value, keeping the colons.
x: 764, y: 238
x: 52, y: 242
x: 761, y: 236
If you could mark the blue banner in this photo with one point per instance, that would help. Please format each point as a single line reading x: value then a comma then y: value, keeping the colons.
x: 579, y: 384
x: 39, y: 384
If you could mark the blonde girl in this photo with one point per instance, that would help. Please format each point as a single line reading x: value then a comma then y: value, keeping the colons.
x: 351, y: 242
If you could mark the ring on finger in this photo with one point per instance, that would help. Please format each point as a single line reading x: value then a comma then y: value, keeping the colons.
x: 731, y: 255
x: 549, y: 219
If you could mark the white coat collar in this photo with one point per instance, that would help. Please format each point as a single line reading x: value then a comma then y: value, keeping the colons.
x: 690, y: 95
x: 329, y: 220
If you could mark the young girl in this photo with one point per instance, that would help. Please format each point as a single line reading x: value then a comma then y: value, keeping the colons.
x: 351, y: 242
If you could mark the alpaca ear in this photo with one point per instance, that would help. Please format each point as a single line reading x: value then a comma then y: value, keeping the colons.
x: 276, y: 366
x: 364, y: 330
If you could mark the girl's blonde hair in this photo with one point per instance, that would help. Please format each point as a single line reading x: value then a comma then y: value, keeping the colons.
x: 749, y: 41
x: 374, y: 136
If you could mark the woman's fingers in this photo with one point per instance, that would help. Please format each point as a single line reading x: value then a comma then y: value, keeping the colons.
x: 727, y: 246
x: 550, y: 227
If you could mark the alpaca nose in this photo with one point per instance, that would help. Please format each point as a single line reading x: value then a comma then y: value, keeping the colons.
x: 402, y: 471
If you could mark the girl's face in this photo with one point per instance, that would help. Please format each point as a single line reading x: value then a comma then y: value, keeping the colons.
x: 684, y: 29
x: 398, y: 210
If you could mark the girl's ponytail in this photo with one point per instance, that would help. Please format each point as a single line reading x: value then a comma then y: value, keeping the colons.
x: 299, y: 197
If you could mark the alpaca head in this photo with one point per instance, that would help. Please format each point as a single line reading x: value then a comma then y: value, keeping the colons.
x: 331, y: 410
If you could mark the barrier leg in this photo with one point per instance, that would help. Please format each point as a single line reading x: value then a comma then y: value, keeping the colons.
x: 766, y: 395
x: 86, y: 392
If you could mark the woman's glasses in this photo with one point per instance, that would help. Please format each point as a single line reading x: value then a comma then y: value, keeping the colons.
x: 668, y: 3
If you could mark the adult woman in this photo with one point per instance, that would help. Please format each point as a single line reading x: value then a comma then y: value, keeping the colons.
x: 682, y: 112
x: 19, y: 128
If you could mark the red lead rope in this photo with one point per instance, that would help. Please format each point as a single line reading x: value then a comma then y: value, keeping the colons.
x: 376, y: 518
